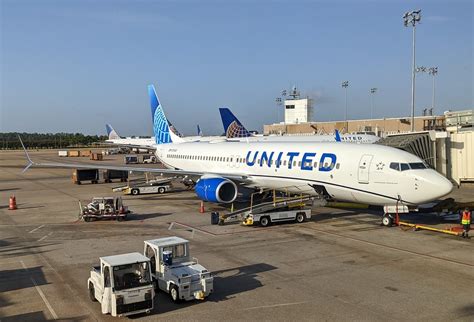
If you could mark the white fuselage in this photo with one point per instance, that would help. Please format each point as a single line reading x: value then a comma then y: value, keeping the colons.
x: 348, y: 172
x: 349, y: 138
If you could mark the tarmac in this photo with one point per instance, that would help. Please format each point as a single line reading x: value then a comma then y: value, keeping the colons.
x: 340, y: 265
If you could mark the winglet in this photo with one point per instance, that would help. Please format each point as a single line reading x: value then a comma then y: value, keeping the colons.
x: 30, y: 162
x: 338, y: 136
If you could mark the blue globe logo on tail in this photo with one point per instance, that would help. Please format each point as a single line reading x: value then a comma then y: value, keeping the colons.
x: 232, y: 126
x: 161, y: 128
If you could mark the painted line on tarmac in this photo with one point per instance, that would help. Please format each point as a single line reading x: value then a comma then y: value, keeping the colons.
x: 190, y: 227
x: 272, y: 306
x: 44, y: 237
x: 40, y: 292
x: 32, y: 231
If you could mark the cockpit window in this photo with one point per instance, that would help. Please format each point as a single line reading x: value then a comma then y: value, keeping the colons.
x: 404, y: 166
x: 395, y: 166
x: 417, y: 165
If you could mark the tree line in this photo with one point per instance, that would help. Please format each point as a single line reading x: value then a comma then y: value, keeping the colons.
x: 10, y: 140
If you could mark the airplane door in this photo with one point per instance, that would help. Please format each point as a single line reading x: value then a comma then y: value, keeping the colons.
x: 364, y: 166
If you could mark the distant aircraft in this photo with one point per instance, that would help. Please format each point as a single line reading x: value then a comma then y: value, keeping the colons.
x: 234, y: 129
x: 114, y: 138
x: 363, y: 173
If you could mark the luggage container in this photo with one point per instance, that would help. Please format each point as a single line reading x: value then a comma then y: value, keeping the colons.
x: 79, y: 175
x: 73, y: 153
x: 97, y: 156
x: 129, y: 159
x: 109, y: 175
x: 85, y: 153
x: 62, y: 153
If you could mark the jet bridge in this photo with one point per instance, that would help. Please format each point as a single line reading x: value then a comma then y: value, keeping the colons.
x: 421, y: 144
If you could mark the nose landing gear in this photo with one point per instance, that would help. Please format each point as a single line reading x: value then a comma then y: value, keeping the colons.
x: 387, y: 220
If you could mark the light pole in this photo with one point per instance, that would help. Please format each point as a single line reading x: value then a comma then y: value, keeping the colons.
x: 410, y: 19
x: 345, y: 85
x: 433, y: 71
x: 278, y: 103
x: 373, y: 90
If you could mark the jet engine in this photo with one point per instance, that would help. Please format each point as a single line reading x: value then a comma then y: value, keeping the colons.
x: 216, y: 189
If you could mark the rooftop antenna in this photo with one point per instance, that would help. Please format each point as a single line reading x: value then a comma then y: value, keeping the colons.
x: 294, y: 93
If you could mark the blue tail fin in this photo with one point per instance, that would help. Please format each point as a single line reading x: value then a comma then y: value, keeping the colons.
x: 232, y: 126
x: 112, y: 134
x: 199, y: 130
x: 338, y: 136
x: 161, y: 126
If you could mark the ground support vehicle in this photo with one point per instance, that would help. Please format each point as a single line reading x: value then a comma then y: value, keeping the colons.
x: 104, y: 208
x: 122, y: 284
x: 264, y: 213
x: 160, y: 187
x: 266, y: 218
x: 175, y: 272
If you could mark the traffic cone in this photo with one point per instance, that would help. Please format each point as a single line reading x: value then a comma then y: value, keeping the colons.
x: 201, y: 209
x: 12, y: 205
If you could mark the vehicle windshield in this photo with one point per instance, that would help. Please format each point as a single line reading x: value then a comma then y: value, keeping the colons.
x: 131, y: 275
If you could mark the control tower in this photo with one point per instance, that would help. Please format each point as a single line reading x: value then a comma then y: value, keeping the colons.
x: 298, y: 110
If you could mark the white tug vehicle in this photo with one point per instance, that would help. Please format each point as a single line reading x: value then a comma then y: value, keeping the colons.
x: 175, y: 272
x: 122, y: 284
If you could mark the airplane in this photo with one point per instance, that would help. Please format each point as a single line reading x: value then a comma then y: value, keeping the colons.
x: 234, y: 129
x: 362, y: 173
x: 114, y: 138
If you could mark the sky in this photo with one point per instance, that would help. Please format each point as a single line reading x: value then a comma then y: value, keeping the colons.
x: 72, y: 66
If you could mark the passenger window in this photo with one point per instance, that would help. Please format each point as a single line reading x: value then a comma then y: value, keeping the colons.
x: 337, y: 166
x: 284, y: 162
x: 315, y: 165
x: 299, y: 164
x: 404, y: 166
x: 294, y: 163
x: 395, y: 166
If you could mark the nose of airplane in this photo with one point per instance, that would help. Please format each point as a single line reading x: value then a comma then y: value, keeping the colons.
x: 434, y: 185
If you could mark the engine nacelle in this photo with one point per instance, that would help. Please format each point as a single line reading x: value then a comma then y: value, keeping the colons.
x: 216, y: 189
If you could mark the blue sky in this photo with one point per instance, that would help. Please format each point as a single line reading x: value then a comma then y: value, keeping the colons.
x: 75, y: 65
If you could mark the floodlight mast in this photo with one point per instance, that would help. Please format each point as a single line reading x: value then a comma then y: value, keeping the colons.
x: 344, y: 85
x: 433, y: 71
x: 373, y: 90
x: 411, y: 18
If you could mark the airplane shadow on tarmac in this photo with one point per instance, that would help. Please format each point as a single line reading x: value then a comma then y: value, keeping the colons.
x: 227, y: 283
x: 9, y: 249
x: 20, y: 278
x: 40, y: 316
x: 135, y: 217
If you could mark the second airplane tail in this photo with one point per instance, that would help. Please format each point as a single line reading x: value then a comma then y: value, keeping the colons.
x: 111, y: 133
x: 232, y: 126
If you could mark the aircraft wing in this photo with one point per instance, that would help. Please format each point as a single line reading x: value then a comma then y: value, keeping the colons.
x: 239, y: 178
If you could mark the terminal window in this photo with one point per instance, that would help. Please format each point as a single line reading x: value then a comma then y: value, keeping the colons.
x: 290, y: 107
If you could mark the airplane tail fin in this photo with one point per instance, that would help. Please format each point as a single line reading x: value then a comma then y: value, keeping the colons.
x: 232, y: 126
x: 199, y: 130
x: 111, y: 133
x: 338, y: 136
x: 162, y: 128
